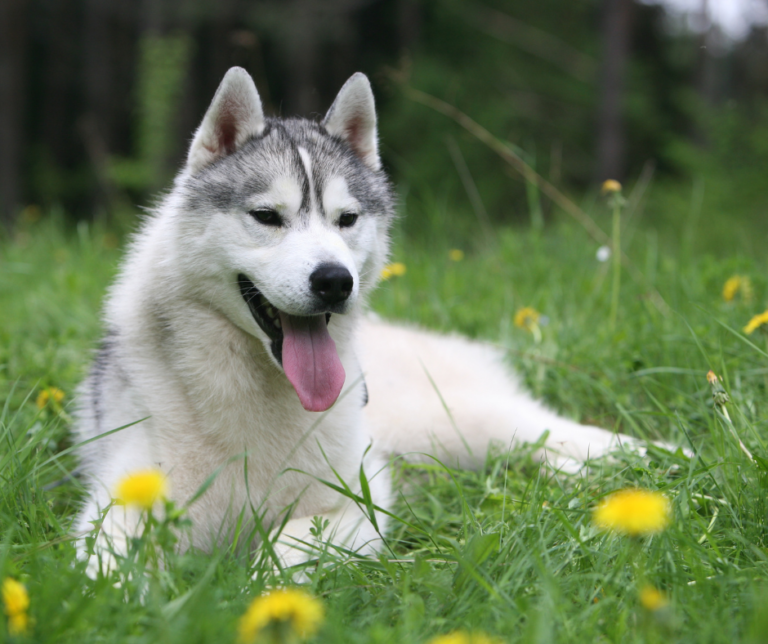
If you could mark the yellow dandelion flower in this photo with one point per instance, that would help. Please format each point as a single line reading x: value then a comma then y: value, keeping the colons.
x: 463, y: 637
x: 15, y: 597
x: 633, y: 512
x: 756, y: 322
x: 296, y: 609
x: 653, y: 599
x: 396, y: 269
x: 48, y: 394
x: 18, y: 624
x: 731, y: 287
x: 526, y: 317
x: 142, y: 488
x: 737, y: 284
x: 16, y: 603
x: 610, y: 185
x: 455, y: 254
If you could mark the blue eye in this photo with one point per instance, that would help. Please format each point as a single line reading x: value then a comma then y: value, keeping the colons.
x: 266, y: 216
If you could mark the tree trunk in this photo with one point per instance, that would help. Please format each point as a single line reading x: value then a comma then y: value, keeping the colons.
x: 12, y: 90
x: 611, y: 143
x: 409, y: 24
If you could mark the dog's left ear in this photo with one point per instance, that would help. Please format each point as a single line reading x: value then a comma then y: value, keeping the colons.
x: 353, y: 117
x: 235, y: 115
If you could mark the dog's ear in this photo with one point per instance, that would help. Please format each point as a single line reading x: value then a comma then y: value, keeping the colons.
x: 353, y: 117
x: 235, y: 115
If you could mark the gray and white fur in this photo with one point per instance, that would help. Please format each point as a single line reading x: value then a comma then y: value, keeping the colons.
x: 236, y: 330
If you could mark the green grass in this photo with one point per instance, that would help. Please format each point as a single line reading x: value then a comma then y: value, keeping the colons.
x: 509, y: 550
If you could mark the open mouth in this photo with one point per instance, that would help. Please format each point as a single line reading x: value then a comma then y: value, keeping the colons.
x: 302, y: 345
x: 266, y: 315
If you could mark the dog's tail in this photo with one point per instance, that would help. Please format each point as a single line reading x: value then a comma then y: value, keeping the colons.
x: 452, y: 398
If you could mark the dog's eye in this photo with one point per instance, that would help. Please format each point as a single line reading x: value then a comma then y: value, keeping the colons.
x: 347, y: 219
x: 266, y: 216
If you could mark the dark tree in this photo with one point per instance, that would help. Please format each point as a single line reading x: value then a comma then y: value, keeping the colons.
x: 13, y: 29
x: 611, y: 137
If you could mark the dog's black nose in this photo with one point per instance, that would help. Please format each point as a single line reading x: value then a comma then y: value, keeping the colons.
x: 332, y: 283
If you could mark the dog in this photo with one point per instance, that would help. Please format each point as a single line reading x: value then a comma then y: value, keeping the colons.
x: 238, y: 351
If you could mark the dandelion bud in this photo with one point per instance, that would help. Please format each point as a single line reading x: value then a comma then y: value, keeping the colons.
x: 718, y: 392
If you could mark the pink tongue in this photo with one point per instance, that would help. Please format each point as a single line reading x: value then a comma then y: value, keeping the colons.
x: 310, y: 361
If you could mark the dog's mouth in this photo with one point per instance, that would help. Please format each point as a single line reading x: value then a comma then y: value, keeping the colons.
x: 302, y: 345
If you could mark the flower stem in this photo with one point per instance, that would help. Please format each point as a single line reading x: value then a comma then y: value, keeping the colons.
x: 765, y: 377
x: 721, y: 398
x: 732, y: 429
x: 536, y: 331
x: 616, y: 263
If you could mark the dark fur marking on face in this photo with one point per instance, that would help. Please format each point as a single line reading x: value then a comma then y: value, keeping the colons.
x: 229, y: 183
x: 331, y: 156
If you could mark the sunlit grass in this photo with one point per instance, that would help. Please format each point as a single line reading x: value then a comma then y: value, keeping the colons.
x: 512, y: 550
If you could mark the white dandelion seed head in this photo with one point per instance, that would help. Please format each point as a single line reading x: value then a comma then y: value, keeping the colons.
x: 603, y: 254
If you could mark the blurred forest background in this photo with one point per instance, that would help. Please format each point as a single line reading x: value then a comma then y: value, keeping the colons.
x: 99, y: 98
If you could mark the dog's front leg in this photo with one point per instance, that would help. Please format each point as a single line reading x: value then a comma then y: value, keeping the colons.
x: 304, y: 539
x: 346, y: 529
x: 112, y: 533
x: 355, y: 525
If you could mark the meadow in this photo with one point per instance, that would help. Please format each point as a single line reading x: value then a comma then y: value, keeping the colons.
x: 511, y: 550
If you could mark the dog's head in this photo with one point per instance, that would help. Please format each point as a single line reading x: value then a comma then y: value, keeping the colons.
x: 286, y: 222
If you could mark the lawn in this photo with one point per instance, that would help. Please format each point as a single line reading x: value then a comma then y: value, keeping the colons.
x: 511, y: 550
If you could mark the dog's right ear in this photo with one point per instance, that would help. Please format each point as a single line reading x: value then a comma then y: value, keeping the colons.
x: 352, y: 117
x: 235, y: 115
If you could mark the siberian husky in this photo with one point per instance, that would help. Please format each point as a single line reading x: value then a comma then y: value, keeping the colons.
x: 237, y: 343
